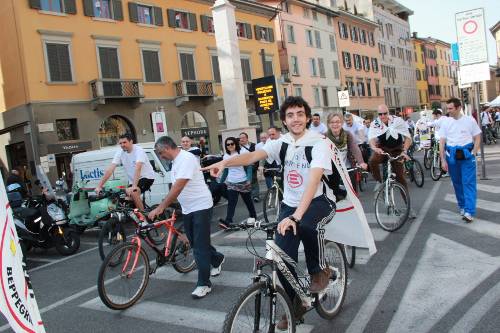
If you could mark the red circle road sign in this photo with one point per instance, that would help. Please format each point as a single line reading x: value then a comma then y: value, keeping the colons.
x: 470, y: 27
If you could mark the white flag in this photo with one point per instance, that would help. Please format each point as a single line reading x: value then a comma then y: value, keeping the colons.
x: 17, y: 299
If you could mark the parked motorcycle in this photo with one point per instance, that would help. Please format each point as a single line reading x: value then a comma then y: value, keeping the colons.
x: 218, y: 190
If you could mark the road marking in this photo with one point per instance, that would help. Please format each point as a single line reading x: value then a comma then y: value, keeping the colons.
x: 480, y: 203
x: 481, y: 226
x: 226, y: 278
x: 366, y: 311
x: 39, y: 259
x: 446, y: 272
x: 489, y: 188
x: 60, y: 260
x: 240, y: 252
x: 202, y: 319
x: 469, y: 321
x: 88, y: 243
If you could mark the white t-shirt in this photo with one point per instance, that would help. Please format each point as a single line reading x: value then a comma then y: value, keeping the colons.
x: 296, y: 169
x: 259, y: 145
x: 128, y: 160
x: 321, y: 128
x: 437, y: 124
x: 236, y: 174
x: 459, y: 132
x: 195, y: 195
x: 355, y: 131
x: 485, y: 118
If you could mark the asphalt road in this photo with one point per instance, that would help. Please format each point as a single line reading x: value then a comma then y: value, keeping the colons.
x: 436, y: 274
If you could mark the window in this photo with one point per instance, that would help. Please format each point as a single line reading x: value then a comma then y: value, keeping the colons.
x: 362, y: 36
x: 369, y: 87
x: 350, y: 87
x: 67, y: 129
x: 346, y: 58
x: 332, y: 43
x: 371, y: 39
x: 381, y: 27
x: 357, y: 62
x: 317, y: 37
x: 290, y: 33
x: 207, y: 24
x: 102, y: 8
x: 52, y: 5
x: 181, y: 20
x: 268, y: 66
x: 321, y: 65
x: 361, y: 87
x: 325, y: 96
x: 306, y: 12
x: 393, y: 51
x: 333, y: 3
x: 298, y: 91
x: 336, y: 72
x: 295, y: 65
x: 109, y: 63
x: 315, y: 15
x: 58, y: 61
x: 317, y: 97
x: 312, y: 66
x: 243, y: 30
x: 309, y: 38
x: 215, y: 68
x: 264, y: 33
x: 354, y: 34
x: 187, y: 66
x: 145, y: 14
x: 343, y: 30
x: 366, y: 63
x: 419, y: 78
x: 151, y: 63
x: 246, y: 70
x: 377, y: 87
x: 329, y: 20
x: 375, y: 65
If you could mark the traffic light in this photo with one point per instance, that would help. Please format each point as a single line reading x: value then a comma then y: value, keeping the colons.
x: 465, y: 96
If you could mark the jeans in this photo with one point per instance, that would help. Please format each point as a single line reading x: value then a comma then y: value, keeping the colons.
x: 197, y: 228
x: 397, y: 166
x: 311, y: 232
x: 463, y: 177
x: 232, y: 200
x: 269, y: 181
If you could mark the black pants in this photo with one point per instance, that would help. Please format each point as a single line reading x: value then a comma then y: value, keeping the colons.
x: 232, y: 198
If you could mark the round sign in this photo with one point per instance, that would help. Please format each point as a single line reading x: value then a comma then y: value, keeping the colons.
x: 470, y: 27
x: 294, y: 179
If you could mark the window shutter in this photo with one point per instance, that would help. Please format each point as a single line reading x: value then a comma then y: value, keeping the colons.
x: 132, y: 12
x: 193, y: 24
x: 270, y: 33
x: 171, y: 18
x: 158, y: 16
x: 248, y: 30
x: 257, y: 31
x: 118, y: 10
x: 59, y: 62
x: 151, y: 66
x: 204, y: 23
x: 64, y: 62
x: 88, y: 8
x: 69, y: 6
x: 35, y: 4
x: 52, y: 59
x: 215, y: 68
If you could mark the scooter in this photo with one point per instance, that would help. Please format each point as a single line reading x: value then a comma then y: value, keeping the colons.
x: 217, y: 189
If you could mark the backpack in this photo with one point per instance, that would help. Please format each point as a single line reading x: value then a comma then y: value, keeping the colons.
x: 333, y: 181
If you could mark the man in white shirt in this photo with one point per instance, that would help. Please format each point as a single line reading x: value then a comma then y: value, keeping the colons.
x: 186, y: 144
x: 263, y: 138
x: 354, y: 128
x: 305, y: 208
x: 137, y: 166
x: 317, y: 126
x: 459, y: 142
x: 190, y: 190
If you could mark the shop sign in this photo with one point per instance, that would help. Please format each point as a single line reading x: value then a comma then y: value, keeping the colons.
x: 47, y: 127
x: 265, y: 95
x: 195, y: 132
x: 69, y: 147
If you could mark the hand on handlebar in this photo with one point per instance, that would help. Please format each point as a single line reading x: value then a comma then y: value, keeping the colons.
x: 363, y: 166
x: 98, y: 190
x: 379, y: 151
x: 286, y: 224
x: 154, y: 213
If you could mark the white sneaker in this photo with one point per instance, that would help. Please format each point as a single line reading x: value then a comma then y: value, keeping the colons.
x: 251, y: 221
x: 468, y: 218
x: 215, y: 271
x: 200, y: 292
x: 462, y: 212
x: 378, y: 186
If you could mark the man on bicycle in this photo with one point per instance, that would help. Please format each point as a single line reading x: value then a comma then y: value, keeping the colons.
x: 190, y: 190
x: 305, y: 208
x: 137, y: 166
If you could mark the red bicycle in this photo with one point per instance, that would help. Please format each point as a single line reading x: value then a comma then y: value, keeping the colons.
x: 124, y: 273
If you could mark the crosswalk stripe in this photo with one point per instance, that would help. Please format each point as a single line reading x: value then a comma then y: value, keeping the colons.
x: 481, y: 226
x: 201, y: 319
x: 226, y: 278
x: 488, y: 188
x: 480, y: 203
x: 240, y: 251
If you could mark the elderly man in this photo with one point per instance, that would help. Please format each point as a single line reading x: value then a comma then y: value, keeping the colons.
x: 186, y: 144
x: 317, y: 126
x: 356, y: 129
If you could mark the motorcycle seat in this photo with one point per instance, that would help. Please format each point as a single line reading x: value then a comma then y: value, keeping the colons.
x: 25, y: 212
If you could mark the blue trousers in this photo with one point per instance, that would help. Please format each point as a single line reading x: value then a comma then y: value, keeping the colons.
x: 197, y: 228
x: 463, y: 177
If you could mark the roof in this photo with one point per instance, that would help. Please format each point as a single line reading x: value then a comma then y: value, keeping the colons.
x: 357, y: 17
x: 393, y: 6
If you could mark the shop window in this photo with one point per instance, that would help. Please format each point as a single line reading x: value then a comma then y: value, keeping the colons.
x: 67, y: 129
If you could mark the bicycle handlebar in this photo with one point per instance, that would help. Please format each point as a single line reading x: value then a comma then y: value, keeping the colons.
x: 393, y: 158
x: 259, y: 225
x: 272, y: 169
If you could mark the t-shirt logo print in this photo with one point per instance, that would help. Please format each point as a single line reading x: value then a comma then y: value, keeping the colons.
x: 294, y: 179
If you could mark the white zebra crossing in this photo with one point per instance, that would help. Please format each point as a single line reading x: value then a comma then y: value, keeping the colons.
x: 489, y: 188
x: 481, y: 226
x: 480, y: 203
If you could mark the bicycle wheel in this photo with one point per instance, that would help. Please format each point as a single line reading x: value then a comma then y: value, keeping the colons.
x: 392, y: 215
x: 183, y: 257
x: 112, y: 234
x: 418, y: 173
x: 158, y: 235
x: 123, y: 276
x: 427, y: 158
x: 436, y: 171
x: 350, y: 255
x: 329, y: 303
x: 251, y: 312
x: 271, y: 205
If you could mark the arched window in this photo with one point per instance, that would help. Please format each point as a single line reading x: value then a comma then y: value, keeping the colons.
x: 111, y: 128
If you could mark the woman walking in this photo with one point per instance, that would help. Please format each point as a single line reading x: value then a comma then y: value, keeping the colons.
x: 239, y: 182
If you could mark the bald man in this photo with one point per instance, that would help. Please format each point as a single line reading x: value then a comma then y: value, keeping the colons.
x: 186, y: 143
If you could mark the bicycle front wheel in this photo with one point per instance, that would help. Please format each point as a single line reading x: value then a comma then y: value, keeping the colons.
x: 392, y: 210
x: 123, y: 276
x: 329, y: 303
x: 112, y: 234
x: 350, y: 255
x: 271, y: 205
x: 183, y: 256
x: 418, y: 173
x: 427, y: 158
x: 436, y: 171
x: 251, y: 312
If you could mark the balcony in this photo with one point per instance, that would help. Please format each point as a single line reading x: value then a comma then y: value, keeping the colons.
x: 188, y: 89
x: 109, y: 89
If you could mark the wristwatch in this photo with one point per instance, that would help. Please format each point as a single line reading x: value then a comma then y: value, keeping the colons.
x: 291, y: 217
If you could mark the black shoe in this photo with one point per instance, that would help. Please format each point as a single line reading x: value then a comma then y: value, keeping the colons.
x: 225, y: 226
x: 256, y: 199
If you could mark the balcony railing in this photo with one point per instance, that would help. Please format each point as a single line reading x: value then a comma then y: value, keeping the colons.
x: 187, y: 88
x: 101, y: 89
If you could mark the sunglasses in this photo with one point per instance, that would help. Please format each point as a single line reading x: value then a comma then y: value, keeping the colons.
x: 229, y: 144
x: 382, y: 113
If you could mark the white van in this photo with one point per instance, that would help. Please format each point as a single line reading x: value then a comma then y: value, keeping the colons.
x: 91, y: 166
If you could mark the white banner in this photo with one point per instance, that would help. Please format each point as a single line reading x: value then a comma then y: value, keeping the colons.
x: 159, y: 124
x: 343, y: 98
x: 474, y: 73
x: 17, y: 301
x: 471, y: 37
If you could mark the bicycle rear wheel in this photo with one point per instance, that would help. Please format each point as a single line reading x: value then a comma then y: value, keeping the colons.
x: 329, y: 303
x: 350, y: 255
x: 123, y: 276
x: 112, y: 234
x: 251, y: 312
x: 183, y: 256
x: 271, y: 205
x: 436, y: 171
x: 427, y: 158
x: 392, y: 215
x: 418, y: 173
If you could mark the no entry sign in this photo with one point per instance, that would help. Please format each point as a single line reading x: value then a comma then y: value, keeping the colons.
x: 471, y: 37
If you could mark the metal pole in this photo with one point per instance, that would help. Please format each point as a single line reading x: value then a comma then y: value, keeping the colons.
x: 478, y: 113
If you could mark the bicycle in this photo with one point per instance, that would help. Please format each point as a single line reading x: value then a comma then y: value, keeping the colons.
x: 350, y: 255
x: 358, y: 178
x: 415, y: 170
x: 388, y: 214
x: 264, y: 302
x: 124, y: 273
x: 272, y: 200
x: 436, y: 171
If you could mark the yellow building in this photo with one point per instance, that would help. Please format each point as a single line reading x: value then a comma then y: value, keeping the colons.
x: 77, y: 73
x: 421, y: 72
x: 447, y: 82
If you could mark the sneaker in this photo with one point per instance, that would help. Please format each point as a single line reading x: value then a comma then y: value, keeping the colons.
x: 467, y: 218
x: 200, y: 292
x: 251, y: 221
x: 320, y: 280
x: 215, y: 271
x: 444, y: 175
x: 462, y: 212
x: 377, y: 187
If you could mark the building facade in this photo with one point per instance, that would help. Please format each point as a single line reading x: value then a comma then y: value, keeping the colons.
x: 448, y: 81
x: 495, y: 31
x: 421, y: 73
x: 429, y: 53
x: 396, y: 52
x: 83, y: 72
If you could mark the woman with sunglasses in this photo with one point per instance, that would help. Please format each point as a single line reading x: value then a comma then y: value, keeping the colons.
x: 239, y: 182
